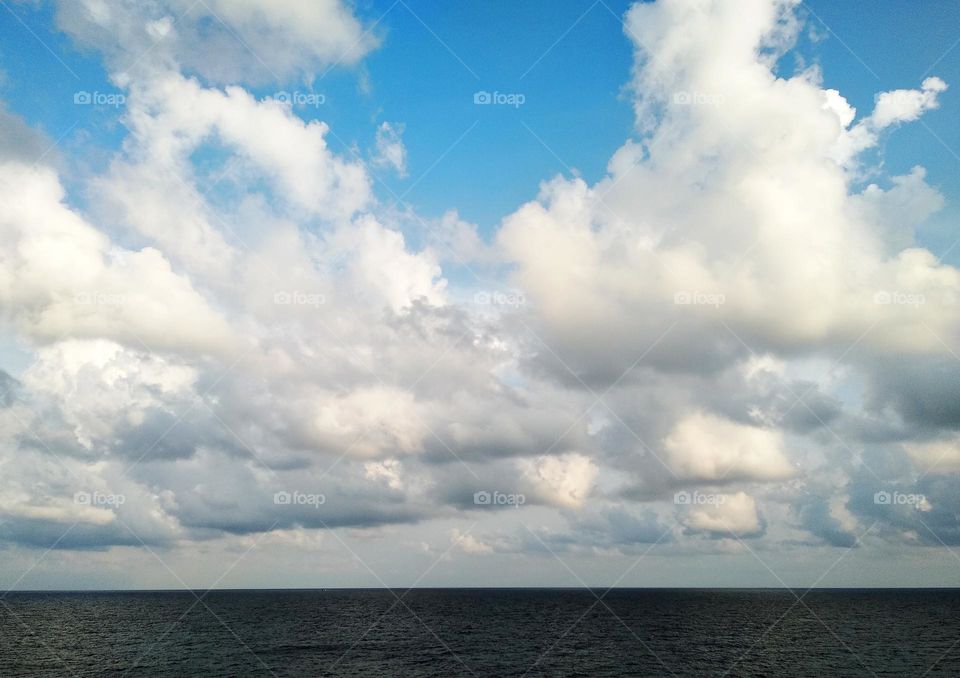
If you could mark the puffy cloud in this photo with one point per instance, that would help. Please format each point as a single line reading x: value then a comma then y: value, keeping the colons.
x: 733, y: 212
x: 730, y: 513
x: 223, y: 40
x: 381, y: 261
x: 381, y: 418
x: 94, y: 380
x: 892, y: 108
x: 897, y: 212
x: 706, y: 448
x: 729, y: 231
x: 904, y: 105
x: 564, y: 481
x: 457, y: 241
x: 724, y: 308
x: 171, y: 117
x: 64, y: 278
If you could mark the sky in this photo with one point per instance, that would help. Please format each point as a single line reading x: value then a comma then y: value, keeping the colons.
x: 330, y: 294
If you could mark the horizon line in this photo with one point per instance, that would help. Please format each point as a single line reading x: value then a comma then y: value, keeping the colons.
x: 496, y: 588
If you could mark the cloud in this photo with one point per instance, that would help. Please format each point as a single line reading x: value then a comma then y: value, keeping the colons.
x: 725, y: 307
x: 563, y: 481
x: 64, y: 278
x: 727, y: 228
x: 830, y: 521
x: 891, y: 108
x: 703, y: 447
x: 390, y: 151
x: 941, y: 456
x: 222, y: 40
x: 730, y: 514
x: 469, y: 544
x: 19, y: 141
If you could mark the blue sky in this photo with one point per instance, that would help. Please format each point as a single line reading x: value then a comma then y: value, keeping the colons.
x: 225, y: 305
x: 569, y: 60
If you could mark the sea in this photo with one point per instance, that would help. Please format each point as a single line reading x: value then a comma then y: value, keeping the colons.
x: 482, y: 632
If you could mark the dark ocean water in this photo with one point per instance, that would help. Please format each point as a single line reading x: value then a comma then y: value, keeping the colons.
x: 482, y: 632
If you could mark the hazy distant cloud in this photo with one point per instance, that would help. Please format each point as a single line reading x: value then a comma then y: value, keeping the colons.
x: 390, y: 151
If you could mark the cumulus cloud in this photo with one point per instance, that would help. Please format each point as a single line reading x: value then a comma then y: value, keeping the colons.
x: 704, y: 447
x: 727, y: 307
x: 729, y: 514
x: 733, y: 221
x: 891, y: 108
x: 564, y: 481
x: 223, y: 40
x: 64, y: 278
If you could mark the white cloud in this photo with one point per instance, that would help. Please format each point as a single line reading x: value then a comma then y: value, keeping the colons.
x: 563, y: 481
x: 63, y: 278
x: 704, y: 447
x: 891, y: 108
x: 275, y: 328
x: 740, y: 207
x: 390, y: 151
x: 223, y: 40
x: 468, y: 543
x: 736, y: 513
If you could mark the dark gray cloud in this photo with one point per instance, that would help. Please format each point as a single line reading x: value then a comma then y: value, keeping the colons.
x: 814, y: 514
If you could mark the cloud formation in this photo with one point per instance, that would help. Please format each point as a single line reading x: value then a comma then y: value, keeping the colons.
x: 235, y: 336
